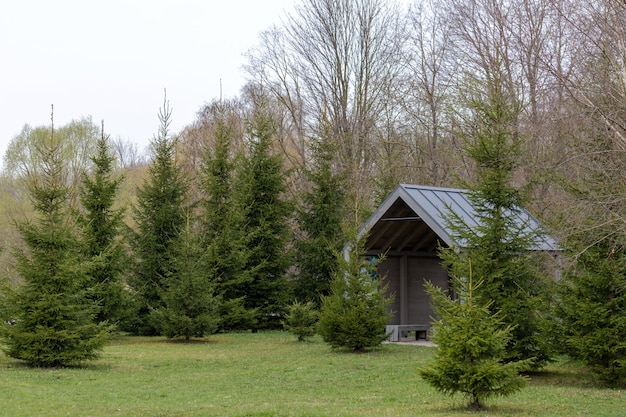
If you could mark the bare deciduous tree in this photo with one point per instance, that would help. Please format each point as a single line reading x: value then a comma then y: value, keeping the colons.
x: 426, y: 93
x: 331, y: 64
x: 593, y: 170
x: 127, y: 153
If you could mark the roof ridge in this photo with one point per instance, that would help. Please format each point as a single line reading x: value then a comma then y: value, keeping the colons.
x: 434, y: 188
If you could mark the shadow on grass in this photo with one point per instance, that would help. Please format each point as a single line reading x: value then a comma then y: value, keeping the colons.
x: 460, y: 406
x: 384, y: 349
x: 148, y: 340
x: 565, y: 372
x: 193, y: 341
x: 15, y: 364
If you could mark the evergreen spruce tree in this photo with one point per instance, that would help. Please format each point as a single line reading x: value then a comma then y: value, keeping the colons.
x: 51, y: 319
x: 159, y: 218
x: 471, y: 347
x: 592, y: 308
x: 355, y: 314
x: 223, y: 238
x: 189, y: 305
x: 301, y: 320
x: 591, y: 312
x: 101, y: 228
x: 320, y: 221
x: 260, y: 189
x: 499, y: 247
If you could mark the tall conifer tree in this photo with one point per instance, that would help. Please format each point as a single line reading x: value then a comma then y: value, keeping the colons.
x: 51, y: 319
x: 159, y: 217
x: 223, y: 238
x: 499, y: 248
x: 591, y: 312
x: 101, y: 226
x: 592, y: 304
x: 260, y: 194
x: 320, y: 220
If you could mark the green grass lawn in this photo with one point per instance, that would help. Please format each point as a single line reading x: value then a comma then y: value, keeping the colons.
x: 270, y: 374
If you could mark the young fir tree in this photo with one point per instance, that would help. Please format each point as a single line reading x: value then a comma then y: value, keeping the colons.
x: 189, y: 305
x: 301, y: 320
x: 159, y: 218
x: 51, y: 319
x: 355, y: 314
x: 320, y: 221
x: 101, y: 227
x: 260, y: 189
x: 223, y: 239
x: 592, y: 308
x: 471, y: 347
x: 499, y: 247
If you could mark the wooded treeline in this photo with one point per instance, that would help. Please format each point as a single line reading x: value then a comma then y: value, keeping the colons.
x: 390, y: 86
x: 355, y: 96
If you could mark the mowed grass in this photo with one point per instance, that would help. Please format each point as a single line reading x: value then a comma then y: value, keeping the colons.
x: 270, y: 374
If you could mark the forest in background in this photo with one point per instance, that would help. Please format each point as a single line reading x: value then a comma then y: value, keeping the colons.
x: 391, y: 90
x: 390, y: 87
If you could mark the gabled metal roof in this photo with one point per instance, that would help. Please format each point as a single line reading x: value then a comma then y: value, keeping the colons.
x: 413, y: 219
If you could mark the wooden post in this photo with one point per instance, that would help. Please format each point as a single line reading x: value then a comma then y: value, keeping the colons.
x: 404, y: 307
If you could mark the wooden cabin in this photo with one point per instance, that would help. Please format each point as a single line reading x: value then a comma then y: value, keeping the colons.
x: 408, y: 228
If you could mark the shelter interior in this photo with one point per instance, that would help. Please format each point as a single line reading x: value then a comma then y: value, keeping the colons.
x: 409, y: 247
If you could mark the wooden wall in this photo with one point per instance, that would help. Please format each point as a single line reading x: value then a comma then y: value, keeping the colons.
x: 405, y: 276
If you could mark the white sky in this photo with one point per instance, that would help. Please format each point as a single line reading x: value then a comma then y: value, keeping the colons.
x: 112, y: 59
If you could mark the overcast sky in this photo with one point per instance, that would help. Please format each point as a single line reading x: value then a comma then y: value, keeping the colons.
x: 112, y: 59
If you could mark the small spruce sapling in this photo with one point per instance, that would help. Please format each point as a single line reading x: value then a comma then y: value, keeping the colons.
x: 471, y: 348
x: 301, y: 320
x: 355, y: 314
